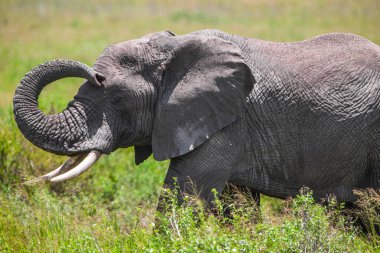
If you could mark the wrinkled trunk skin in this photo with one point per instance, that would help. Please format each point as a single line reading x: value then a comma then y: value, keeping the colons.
x: 58, y: 133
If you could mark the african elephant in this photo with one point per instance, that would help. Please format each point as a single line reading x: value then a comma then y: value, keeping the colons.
x: 223, y: 108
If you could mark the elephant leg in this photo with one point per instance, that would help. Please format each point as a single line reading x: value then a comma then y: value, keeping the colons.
x: 255, y: 197
x: 191, y: 174
x: 209, y: 166
x: 195, y: 180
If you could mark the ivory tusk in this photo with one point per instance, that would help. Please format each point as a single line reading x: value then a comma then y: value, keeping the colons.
x: 84, y: 165
x: 70, y: 163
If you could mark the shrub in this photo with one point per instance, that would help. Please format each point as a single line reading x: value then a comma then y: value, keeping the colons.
x: 367, y: 210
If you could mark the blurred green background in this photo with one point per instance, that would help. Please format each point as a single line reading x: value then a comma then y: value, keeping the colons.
x: 32, y: 31
x: 116, y: 196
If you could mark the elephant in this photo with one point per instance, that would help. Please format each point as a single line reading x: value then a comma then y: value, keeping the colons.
x: 269, y: 116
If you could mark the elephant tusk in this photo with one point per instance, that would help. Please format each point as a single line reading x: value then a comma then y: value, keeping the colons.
x: 70, y: 163
x: 84, y: 165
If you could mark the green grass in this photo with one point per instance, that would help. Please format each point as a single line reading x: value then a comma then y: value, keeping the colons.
x: 112, y: 207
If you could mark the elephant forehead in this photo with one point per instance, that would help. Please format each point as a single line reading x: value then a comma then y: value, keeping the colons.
x: 125, y: 48
x: 132, y: 64
x: 124, y: 55
x: 133, y: 83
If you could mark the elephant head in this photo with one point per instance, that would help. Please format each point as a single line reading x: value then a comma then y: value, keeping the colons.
x: 162, y: 94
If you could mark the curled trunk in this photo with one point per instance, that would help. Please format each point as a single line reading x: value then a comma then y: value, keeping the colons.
x: 54, y: 133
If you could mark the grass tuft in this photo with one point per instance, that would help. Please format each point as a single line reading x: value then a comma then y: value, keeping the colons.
x: 367, y: 211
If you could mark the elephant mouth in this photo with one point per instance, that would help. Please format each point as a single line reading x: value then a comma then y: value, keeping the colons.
x: 72, y: 168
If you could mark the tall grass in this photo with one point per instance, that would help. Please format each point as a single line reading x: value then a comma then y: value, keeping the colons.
x: 112, y: 208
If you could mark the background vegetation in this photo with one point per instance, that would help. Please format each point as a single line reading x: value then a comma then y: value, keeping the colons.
x: 112, y: 207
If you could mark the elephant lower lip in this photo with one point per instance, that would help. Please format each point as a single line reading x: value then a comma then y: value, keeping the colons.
x: 78, y: 151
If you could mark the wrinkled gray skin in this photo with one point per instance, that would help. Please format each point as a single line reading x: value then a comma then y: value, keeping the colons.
x: 223, y: 108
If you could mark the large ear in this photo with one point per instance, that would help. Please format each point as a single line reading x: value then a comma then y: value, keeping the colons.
x: 204, y: 87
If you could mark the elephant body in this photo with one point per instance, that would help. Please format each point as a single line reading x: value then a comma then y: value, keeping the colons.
x: 269, y: 116
x: 312, y: 117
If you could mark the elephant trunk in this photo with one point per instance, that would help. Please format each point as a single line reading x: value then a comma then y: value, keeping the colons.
x: 54, y: 133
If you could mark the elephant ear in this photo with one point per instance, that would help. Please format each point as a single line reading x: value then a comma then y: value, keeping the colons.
x: 204, y: 87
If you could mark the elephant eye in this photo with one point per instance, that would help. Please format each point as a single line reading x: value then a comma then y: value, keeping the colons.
x: 115, y: 100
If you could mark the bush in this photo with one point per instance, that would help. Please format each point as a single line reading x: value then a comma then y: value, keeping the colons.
x: 306, y: 227
x: 367, y: 210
